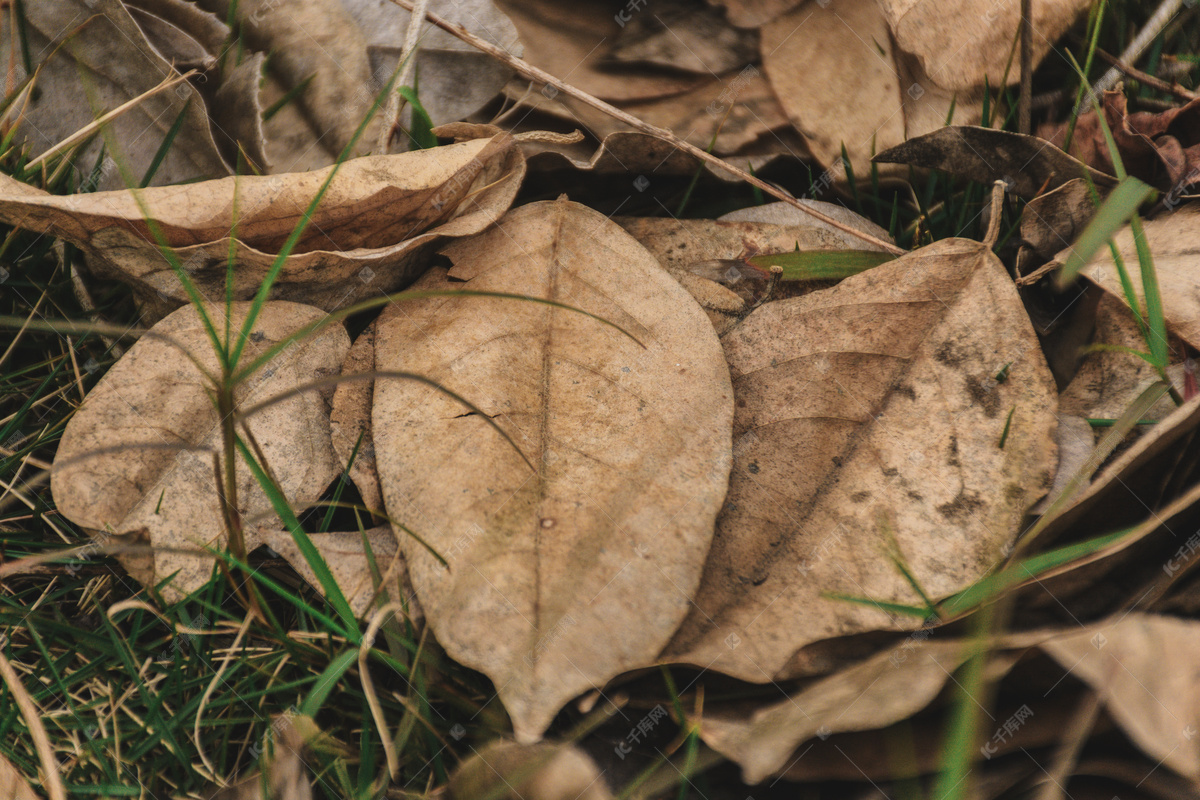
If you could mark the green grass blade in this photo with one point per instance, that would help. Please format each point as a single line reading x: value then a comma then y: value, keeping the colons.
x: 1155, y: 317
x: 422, y: 125
x: 327, y: 682
x: 920, y: 612
x: 288, y: 97
x: 819, y: 265
x: 333, y: 592
x: 161, y: 154
x: 1112, y: 215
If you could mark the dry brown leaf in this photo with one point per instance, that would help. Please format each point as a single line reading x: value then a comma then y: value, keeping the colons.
x: 456, y: 80
x: 1144, y: 668
x: 347, y: 559
x: 959, y: 42
x: 1174, y: 244
x: 890, y: 686
x: 237, y: 113
x: 862, y: 410
x: 1053, y: 220
x: 572, y: 41
x: 511, y: 771
x: 754, y: 13
x: 13, y: 784
x: 315, y: 41
x: 375, y: 222
x: 1109, y: 381
x: 1028, y: 165
x: 101, y: 39
x: 678, y: 35
x: 136, y: 459
x: 562, y: 579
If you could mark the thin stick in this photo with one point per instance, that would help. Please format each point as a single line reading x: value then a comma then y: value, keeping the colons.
x: 1158, y: 20
x: 1148, y: 79
x: 53, y: 783
x: 408, y: 65
x: 533, y: 73
x: 93, y: 126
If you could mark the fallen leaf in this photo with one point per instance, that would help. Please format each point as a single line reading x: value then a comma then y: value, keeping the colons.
x: 1026, y: 164
x: 377, y: 219
x: 314, y: 43
x: 1144, y: 668
x: 1174, y: 245
x: 1054, y: 220
x: 878, y: 410
x: 511, y: 771
x: 630, y: 442
x: 890, y: 686
x: 754, y: 13
x: 680, y: 36
x: 818, y: 55
x: 350, y: 420
x: 136, y: 459
x: 456, y: 80
x: 100, y: 39
x: 571, y: 42
x: 960, y: 42
x: 1161, y: 148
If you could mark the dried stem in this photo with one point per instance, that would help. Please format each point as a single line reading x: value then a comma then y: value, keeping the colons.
x: 533, y: 73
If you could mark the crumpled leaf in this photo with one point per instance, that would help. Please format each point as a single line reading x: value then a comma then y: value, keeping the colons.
x: 283, y: 762
x: 456, y: 80
x: 1054, y: 220
x: 545, y: 771
x: 136, y: 459
x: 1160, y: 148
x: 1143, y: 666
x: 13, y: 783
x: 314, y: 42
x: 1174, y: 243
x: 1027, y: 164
x: 754, y: 13
x: 876, y: 414
x: 630, y: 442
x: 375, y: 222
x: 101, y: 39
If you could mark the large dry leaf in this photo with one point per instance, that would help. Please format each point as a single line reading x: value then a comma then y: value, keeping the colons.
x: 754, y: 13
x: 680, y: 36
x: 351, y: 421
x: 842, y: 83
x: 136, y: 460
x: 960, y: 42
x: 562, y: 578
x: 866, y: 410
x: 1174, y: 241
x: 1144, y: 668
x: 100, y: 39
x: 13, y: 784
x: 374, y: 223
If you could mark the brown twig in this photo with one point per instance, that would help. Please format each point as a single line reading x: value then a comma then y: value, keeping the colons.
x: 1146, y: 78
x: 533, y: 73
x: 1024, y: 101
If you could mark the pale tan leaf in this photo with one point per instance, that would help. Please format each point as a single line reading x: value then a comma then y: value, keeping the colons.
x: 544, y: 771
x: 13, y: 784
x: 678, y: 35
x: 136, y: 459
x: 1144, y: 668
x: 562, y: 578
x: 959, y: 42
x: 378, y: 217
x: 834, y: 73
x: 102, y: 40
x: 237, y: 112
x: 350, y: 420
x: 754, y: 13
x: 284, y: 773
x: 1174, y: 245
x: 863, y: 411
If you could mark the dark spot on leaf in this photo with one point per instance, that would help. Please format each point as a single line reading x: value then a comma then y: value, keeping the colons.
x: 914, y: 496
x: 949, y: 355
x: 982, y: 396
x: 257, y: 336
x: 961, y: 507
x: 907, y: 391
x: 1014, y: 491
x: 753, y: 467
x: 858, y: 497
x: 891, y: 472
